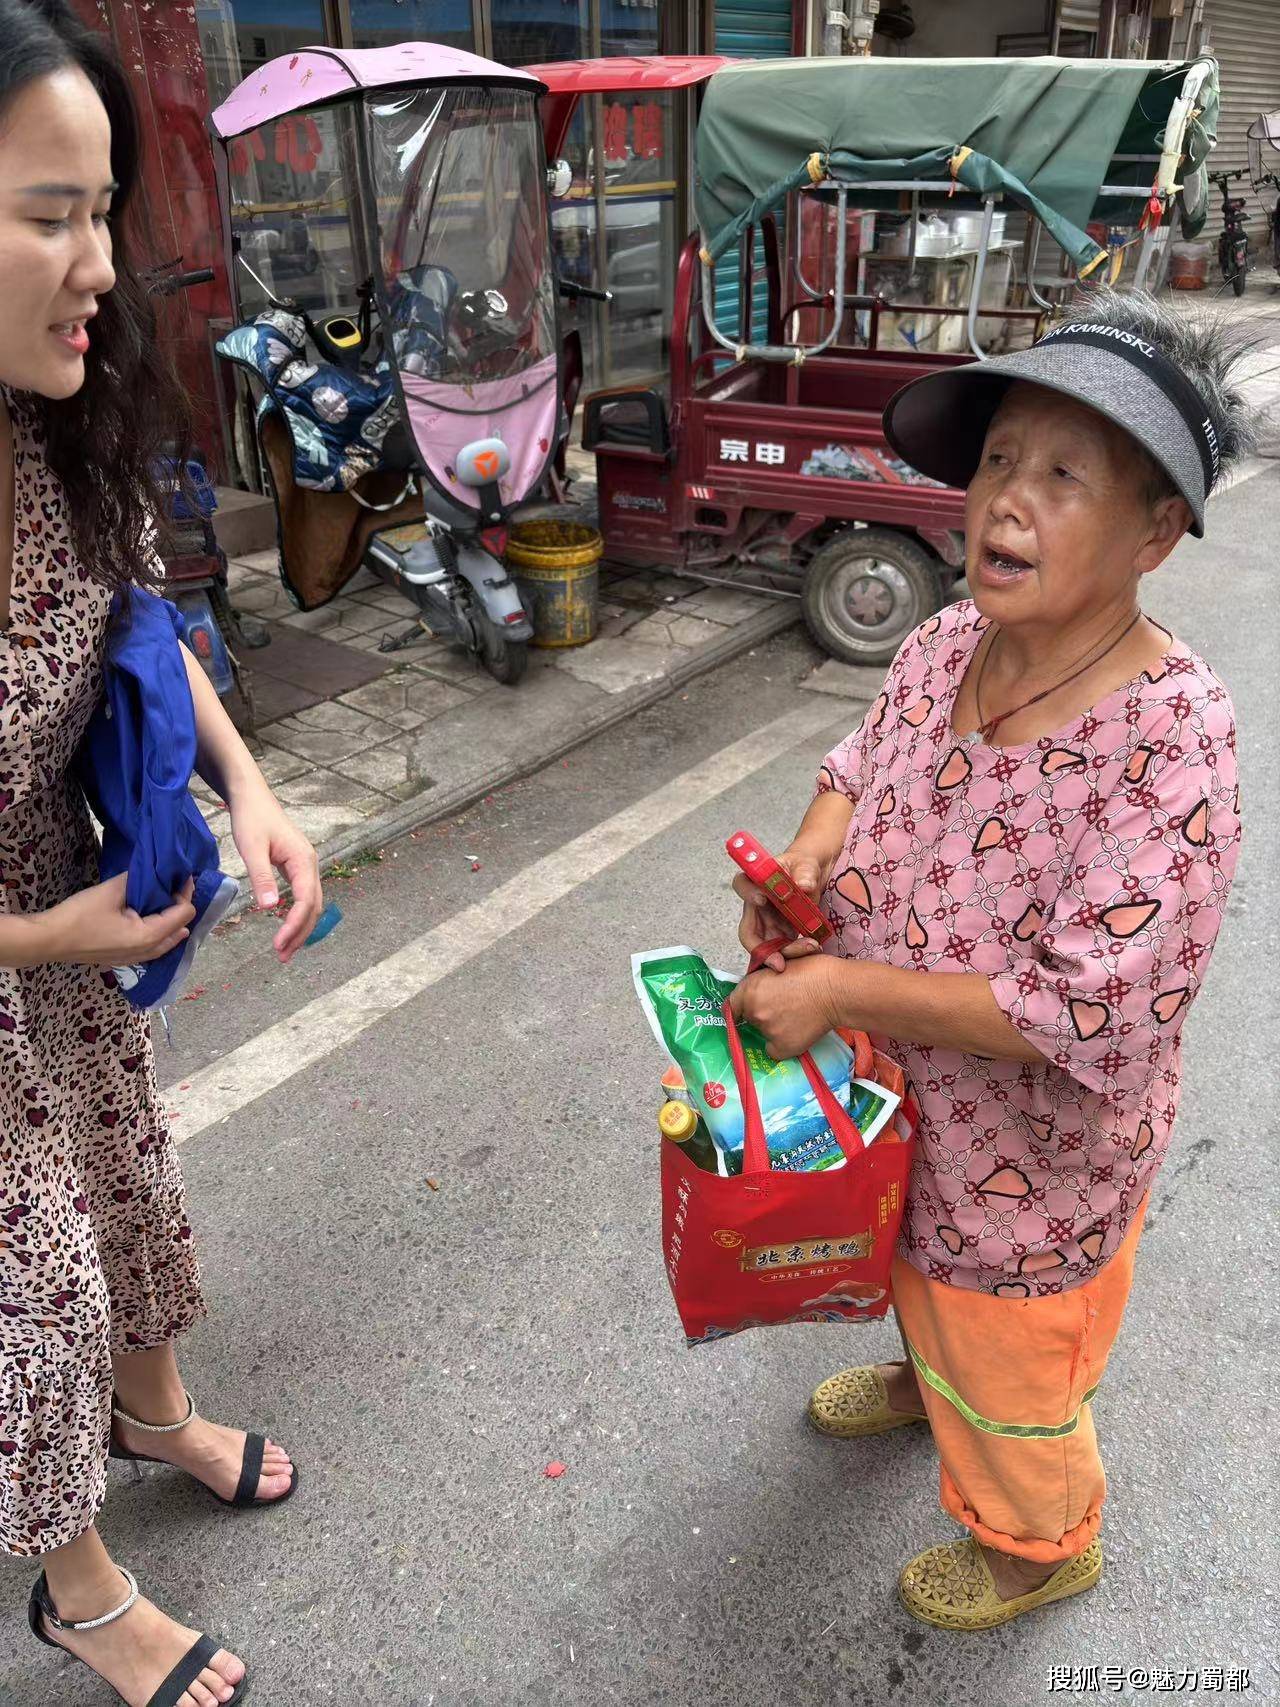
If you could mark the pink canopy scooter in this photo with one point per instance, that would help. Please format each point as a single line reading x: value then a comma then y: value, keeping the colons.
x: 386, y: 219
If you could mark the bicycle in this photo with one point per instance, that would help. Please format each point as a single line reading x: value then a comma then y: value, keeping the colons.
x: 1233, y: 244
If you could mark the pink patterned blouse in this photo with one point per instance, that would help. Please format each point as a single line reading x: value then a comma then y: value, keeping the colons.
x: 1084, y: 874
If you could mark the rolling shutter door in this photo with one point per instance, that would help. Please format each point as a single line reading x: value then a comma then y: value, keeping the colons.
x: 1244, y: 37
x: 749, y: 29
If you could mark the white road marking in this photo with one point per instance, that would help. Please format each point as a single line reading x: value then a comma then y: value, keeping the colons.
x: 332, y: 1021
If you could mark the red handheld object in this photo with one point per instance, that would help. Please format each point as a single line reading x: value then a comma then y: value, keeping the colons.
x: 791, y: 903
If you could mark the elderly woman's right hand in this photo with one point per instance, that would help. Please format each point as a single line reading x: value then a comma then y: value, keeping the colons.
x: 761, y: 924
x: 97, y: 928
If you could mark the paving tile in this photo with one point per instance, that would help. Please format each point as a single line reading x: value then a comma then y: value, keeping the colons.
x: 312, y: 621
x: 321, y: 786
x: 404, y: 698
x: 427, y: 696
x: 279, y: 766
x: 335, y: 718
x: 264, y: 598
x: 655, y: 630
x: 616, y: 665
x: 627, y: 589
x: 318, y: 823
x: 367, y: 594
x: 721, y: 604
x: 695, y: 631
x: 355, y: 618
x: 846, y: 681
x: 670, y: 586
x: 448, y: 663
x: 618, y: 620
x: 367, y: 643
x: 240, y: 577
x: 395, y: 604
x: 327, y: 732
x: 395, y: 768
x: 263, y: 562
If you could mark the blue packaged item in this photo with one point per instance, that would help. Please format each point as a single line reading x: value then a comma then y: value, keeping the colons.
x: 328, y: 920
x: 135, y: 764
x: 683, y: 999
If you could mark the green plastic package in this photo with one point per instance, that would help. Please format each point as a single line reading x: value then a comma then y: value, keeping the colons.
x: 684, y: 1000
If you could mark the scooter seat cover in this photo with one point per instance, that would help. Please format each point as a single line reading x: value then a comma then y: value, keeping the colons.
x: 266, y: 345
x: 337, y: 419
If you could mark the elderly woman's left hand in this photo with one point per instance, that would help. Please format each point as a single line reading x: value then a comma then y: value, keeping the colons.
x: 793, y: 1008
x: 267, y: 838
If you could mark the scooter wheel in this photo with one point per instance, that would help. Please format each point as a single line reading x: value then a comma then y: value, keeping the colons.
x: 1238, y: 279
x: 506, y: 660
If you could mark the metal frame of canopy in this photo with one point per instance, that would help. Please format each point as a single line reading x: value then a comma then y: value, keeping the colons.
x: 1164, y: 189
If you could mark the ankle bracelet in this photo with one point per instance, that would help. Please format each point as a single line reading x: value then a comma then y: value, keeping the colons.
x: 156, y: 1428
x: 93, y: 1623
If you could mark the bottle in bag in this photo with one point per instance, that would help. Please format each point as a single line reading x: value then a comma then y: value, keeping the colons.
x: 678, y: 1122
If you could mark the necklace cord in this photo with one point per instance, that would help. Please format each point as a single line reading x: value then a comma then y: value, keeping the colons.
x: 988, y: 726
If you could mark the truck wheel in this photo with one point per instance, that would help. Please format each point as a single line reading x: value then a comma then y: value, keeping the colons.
x: 865, y: 592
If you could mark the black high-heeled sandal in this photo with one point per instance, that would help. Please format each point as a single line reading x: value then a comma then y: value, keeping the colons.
x: 41, y: 1607
x: 255, y: 1447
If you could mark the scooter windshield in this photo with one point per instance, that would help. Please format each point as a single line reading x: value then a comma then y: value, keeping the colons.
x: 467, y: 272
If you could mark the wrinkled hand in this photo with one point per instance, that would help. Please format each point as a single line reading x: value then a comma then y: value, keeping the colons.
x: 761, y: 923
x: 96, y: 928
x: 268, y: 840
x: 793, y: 1007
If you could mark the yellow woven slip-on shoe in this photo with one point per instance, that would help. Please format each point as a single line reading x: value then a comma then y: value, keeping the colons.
x: 855, y: 1403
x: 951, y: 1586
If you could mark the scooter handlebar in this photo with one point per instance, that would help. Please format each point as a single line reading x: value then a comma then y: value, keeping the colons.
x: 575, y: 292
x: 169, y: 284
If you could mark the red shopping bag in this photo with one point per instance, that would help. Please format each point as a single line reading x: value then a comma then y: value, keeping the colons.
x: 760, y: 1248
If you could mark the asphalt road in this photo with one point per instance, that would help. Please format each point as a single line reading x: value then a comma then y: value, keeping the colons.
x: 426, y: 1353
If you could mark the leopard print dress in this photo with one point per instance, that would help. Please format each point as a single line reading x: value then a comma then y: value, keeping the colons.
x: 96, y: 1253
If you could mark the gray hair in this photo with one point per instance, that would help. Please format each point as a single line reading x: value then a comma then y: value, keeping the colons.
x: 1207, y: 346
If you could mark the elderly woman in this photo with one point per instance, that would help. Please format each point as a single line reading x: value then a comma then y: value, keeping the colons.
x: 1026, y: 851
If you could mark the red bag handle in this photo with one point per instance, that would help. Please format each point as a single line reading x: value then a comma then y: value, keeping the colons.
x: 755, y: 1149
x: 864, y: 1055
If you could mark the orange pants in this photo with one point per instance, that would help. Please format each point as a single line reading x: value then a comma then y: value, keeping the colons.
x: 1007, y: 1384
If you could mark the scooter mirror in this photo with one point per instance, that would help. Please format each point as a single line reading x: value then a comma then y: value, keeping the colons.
x: 559, y: 178
x: 483, y: 463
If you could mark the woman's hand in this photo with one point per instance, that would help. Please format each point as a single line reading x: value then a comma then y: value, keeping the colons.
x: 793, y: 1007
x: 760, y: 923
x: 97, y: 928
x: 267, y: 839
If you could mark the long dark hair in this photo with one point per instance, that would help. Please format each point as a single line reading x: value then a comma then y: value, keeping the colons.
x: 102, y: 442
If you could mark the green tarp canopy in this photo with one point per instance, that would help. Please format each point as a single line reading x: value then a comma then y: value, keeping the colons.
x: 1045, y: 132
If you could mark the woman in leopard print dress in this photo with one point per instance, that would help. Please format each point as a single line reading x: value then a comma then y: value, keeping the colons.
x: 98, y: 1275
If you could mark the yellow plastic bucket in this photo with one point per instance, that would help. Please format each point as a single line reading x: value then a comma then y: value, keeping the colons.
x: 557, y: 567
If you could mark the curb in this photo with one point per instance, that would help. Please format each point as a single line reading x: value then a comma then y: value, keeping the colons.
x: 426, y: 808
